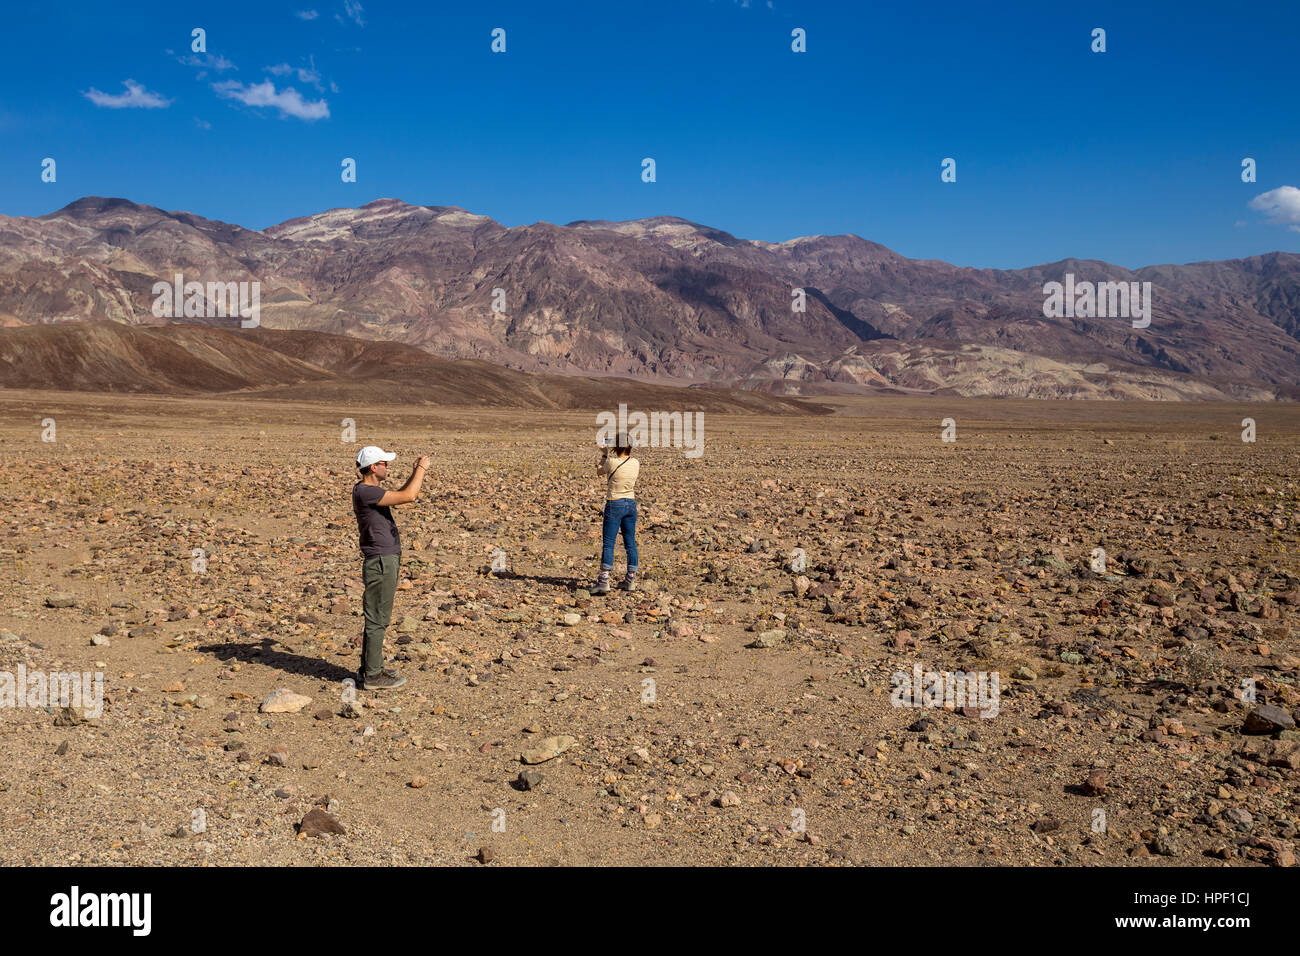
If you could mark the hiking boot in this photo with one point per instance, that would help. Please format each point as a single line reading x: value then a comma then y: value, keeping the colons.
x: 628, y: 583
x: 602, y: 583
x: 384, y: 680
x: 360, y: 679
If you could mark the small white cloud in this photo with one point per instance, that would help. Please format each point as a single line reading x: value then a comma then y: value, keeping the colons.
x: 354, y: 11
x: 202, y: 123
x: 208, y: 62
x: 288, y: 101
x: 306, y: 14
x: 1281, y: 206
x: 135, y: 97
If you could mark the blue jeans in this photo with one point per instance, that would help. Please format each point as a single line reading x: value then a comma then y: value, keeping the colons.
x: 620, y: 515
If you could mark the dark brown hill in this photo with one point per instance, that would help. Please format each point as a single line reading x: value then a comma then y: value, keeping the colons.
x: 304, y: 365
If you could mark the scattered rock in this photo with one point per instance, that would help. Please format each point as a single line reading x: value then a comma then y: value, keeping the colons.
x: 67, y: 717
x: 768, y: 638
x: 284, y: 701
x: 1166, y: 846
x: 1095, y: 784
x: 547, y: 749
x: 1267, y: 719
x: 318, y: 822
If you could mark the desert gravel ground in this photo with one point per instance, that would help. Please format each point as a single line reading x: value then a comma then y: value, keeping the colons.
x: 731, y: 711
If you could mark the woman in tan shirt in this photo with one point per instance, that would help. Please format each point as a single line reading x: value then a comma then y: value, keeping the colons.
x: 620, y: 473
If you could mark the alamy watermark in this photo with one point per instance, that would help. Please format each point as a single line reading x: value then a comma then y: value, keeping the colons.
x: 1103, y: 300
x: 75, y: 908
x: 656, y: 430
x: 978, y: 689
x: 80, y: 691
x: 194, y: 300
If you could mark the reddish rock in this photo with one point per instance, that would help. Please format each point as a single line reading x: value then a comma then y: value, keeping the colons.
x: 318, y: 822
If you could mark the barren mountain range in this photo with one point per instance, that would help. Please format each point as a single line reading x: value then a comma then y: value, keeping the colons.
x: 664, y: 300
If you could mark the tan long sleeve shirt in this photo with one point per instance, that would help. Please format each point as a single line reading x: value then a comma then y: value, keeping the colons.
x: 620, y: 477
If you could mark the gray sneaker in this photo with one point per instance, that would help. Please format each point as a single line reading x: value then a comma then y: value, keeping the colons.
x: 627, y: 584
x: 384, y: 680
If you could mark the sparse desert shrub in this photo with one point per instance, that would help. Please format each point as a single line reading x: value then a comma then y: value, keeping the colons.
x: 1199, y: 661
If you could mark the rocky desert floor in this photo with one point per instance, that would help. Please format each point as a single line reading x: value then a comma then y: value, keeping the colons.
x: 739, y: 708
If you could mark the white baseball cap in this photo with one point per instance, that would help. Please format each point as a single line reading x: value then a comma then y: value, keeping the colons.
x: 371, y: 454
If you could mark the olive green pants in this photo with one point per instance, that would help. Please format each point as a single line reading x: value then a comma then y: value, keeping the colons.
x: 380, y: 577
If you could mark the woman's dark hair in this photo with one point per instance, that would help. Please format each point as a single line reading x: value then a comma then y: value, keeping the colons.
x: 623, y: 450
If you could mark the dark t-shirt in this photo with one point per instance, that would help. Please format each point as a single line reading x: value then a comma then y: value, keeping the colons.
x: 378, y: 529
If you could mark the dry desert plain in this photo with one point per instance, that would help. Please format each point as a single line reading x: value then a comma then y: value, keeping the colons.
x: 731, y: 711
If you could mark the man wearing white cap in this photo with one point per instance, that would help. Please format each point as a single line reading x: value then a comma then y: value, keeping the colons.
x: 381, y: 547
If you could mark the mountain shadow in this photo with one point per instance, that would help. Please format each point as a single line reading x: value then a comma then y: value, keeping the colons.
x: 862, y: 329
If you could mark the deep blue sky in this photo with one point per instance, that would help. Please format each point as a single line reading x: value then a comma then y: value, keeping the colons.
x: 1132, y: 156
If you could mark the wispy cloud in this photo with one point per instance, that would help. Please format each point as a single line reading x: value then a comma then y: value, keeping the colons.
x: 208, y: 61
x: 135, y: 97
x: 306, y: 14
x: 288, y: 101
x: 1281, y: 205
x: 354, y: 11
x: 305, y: 74
x: 202, y: 123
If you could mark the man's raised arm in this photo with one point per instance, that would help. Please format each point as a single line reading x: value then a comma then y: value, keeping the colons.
x: 409, y: 491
